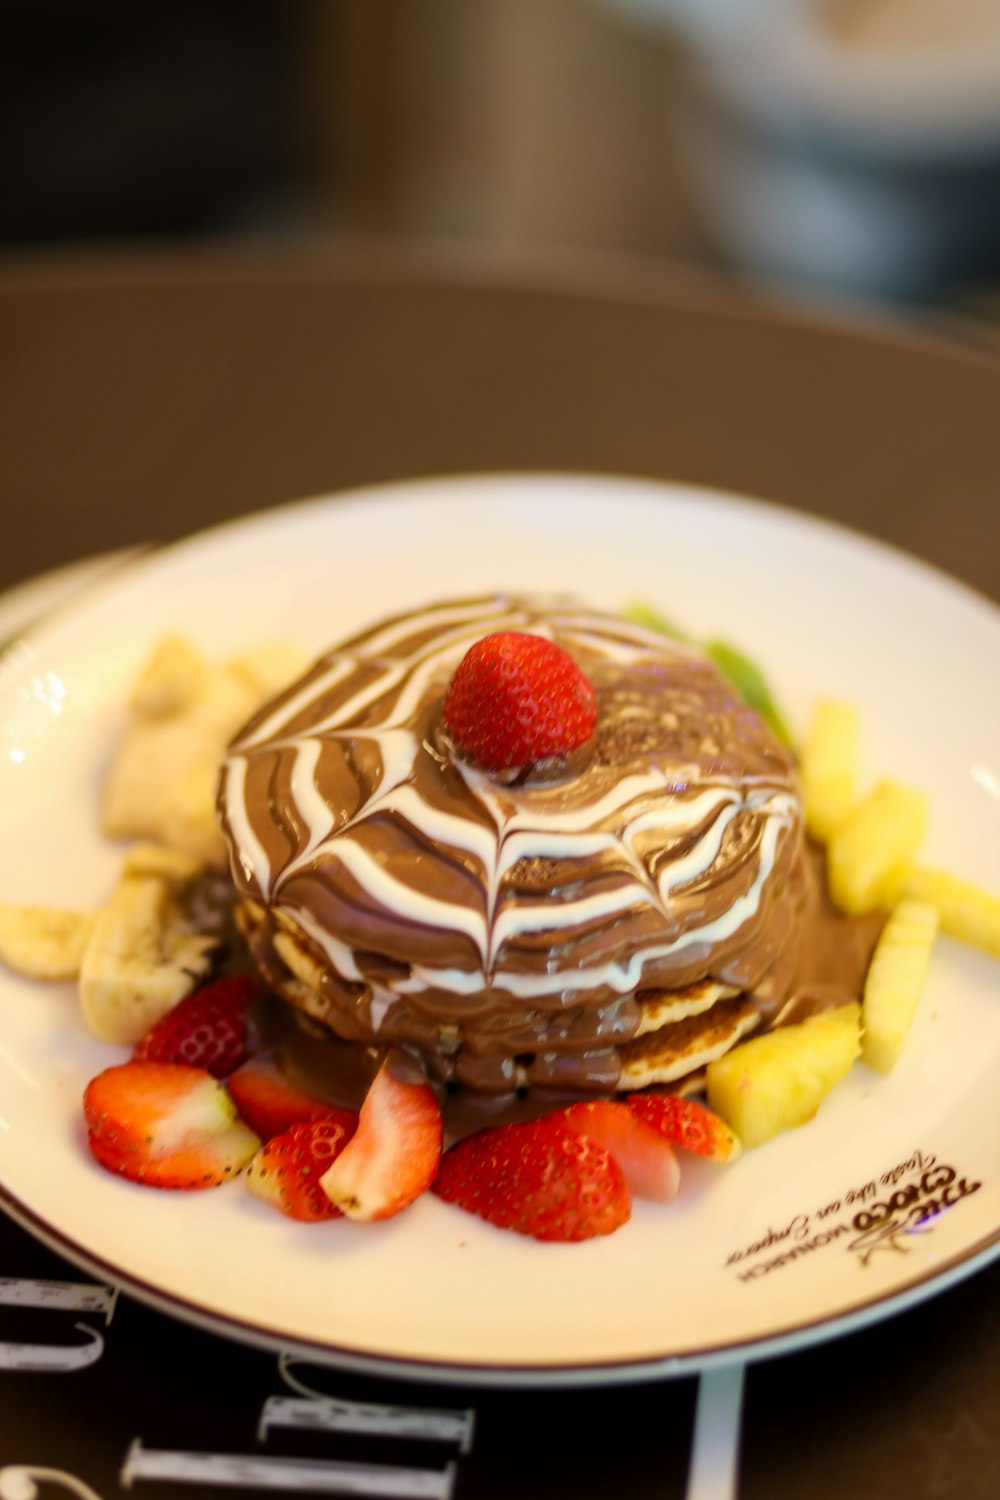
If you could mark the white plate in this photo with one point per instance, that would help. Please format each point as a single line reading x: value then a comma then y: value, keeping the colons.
x: 22, y: 605
x: 751, y: 1260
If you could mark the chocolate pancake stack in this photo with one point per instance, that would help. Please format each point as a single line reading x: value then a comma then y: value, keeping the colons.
x: 604, y: 923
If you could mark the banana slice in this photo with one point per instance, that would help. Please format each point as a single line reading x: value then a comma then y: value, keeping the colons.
x: 43, y: 942
x: 184, y: 711
x: 178, y: 869
x: 270, y: 667
x: 172, y: 680
x: 140, y: 960
x: 163, y: 778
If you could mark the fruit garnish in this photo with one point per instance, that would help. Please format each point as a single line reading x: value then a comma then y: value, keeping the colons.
x: 750, y: 682
x: 43, y: 942
x: 881, y: 833
x: 516, y: 699
x: 644, y: 614
x: 286, y: 1171
x: 183, y: 711
x: 165, y: 1125
x: 395, y: 1152
x: 828, y: 765
x: 778, y: 1081
x: 688, y: 1124
x: 967, y: 911
x: 541, y: 1178
x: 207, y: 1029
x: 644, y: 1154
x: 895, y: 981
x: 871, y: 843
x: 140, y: 959
x: 268, y: 1103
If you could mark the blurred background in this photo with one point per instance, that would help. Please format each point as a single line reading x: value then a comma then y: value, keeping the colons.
x: 842, y: 150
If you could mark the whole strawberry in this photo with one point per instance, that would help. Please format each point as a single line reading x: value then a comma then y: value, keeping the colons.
x: 516, y: 699
x: 207, y: 1029
x: 541, y: 1179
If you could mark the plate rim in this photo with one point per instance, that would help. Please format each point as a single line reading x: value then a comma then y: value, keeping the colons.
x: 804, y: 1335
x: 126, y: 561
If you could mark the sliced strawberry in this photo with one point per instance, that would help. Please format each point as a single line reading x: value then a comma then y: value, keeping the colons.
x: 166, y: 1125
x: 644, y: 1154
x: 268, y: 1103
x: 541, y: 1178
x: 688, y: 1124
x: 286, y: 1171
x: 207, y: 1029
x: 516, y: 699
x: 395, y: 1153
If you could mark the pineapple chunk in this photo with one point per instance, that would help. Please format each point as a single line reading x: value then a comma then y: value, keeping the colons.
x: 829, y: 765
x: 881, y: 832
x: 894, y: 983
x: 774, y: 1082
x: 967, y: 911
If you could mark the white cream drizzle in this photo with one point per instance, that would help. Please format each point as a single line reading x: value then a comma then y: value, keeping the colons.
x: 253, y: 858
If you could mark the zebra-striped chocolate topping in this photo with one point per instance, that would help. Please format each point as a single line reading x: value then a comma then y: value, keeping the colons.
x: 484, y: 922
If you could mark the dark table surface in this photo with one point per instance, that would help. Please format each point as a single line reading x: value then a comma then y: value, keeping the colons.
x: 149, y: 394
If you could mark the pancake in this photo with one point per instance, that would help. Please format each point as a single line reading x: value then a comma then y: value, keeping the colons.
x: 661, y: 1008
x: 682, y: 1048
x: 606, y: 920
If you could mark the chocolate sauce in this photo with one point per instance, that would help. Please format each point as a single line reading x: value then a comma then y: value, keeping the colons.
x: 828, y: 969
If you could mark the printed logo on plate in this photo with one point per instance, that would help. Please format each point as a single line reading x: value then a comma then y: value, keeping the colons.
x: 873, y: 1216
